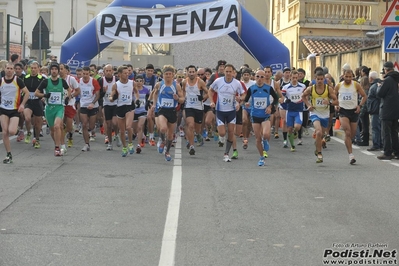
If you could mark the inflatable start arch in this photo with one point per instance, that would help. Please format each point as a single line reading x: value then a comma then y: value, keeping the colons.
x: 179, y: 21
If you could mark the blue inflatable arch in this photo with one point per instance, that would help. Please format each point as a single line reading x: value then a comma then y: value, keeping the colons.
x: 254, y: 38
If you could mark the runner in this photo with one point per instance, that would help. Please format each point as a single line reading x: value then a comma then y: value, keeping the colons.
x: 167, y: 94
x: 140, y: 113
x: 11, y: 106
x: 227, y: 88
x: 321, y: 97
x: 194, y: 90
x: 34, y: 106
x: 70, y: 109
x: 348, y: 92
x: 90, y: 93
x: 109, y: 109
x: 292, y: 93
x: 53, y: 90
x: 123, y: 91
x: 261, y: 108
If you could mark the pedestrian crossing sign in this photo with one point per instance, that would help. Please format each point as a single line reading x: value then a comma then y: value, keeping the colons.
x: 391, y: 40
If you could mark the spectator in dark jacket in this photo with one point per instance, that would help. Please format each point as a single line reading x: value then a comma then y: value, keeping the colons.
x: 373, y: 108
x: 389, y: 112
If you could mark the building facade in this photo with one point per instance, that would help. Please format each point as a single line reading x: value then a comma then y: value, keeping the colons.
x: 317, y: 27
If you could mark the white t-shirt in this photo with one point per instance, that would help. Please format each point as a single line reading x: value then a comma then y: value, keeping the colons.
x: 227, y: 92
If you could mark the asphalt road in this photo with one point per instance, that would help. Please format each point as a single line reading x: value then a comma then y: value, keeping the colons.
x: 97, y: 208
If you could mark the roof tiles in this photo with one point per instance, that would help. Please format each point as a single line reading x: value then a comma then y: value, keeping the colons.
x: 317, y: 45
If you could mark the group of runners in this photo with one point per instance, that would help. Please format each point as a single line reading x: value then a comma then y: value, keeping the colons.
x: 194, y: 102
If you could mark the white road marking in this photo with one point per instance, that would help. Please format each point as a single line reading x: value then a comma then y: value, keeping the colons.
x: 396, y: 164
x: 368, y: 153
x: 343, y: 142
x: 168, y: 249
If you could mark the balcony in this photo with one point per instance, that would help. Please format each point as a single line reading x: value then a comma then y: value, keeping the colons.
x: 342, y: 13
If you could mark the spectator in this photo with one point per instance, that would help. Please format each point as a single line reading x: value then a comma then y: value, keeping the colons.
x: 389, y: 112
x: 14, y: 58
x: 373, y: 107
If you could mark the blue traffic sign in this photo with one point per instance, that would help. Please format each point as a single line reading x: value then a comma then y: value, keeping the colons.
x: 391, y: 40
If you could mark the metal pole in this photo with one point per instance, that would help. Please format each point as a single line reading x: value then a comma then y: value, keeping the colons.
x: 386, y: 10
x: 8, y: 39
x: 40, y: 40
x: 71, y: 32
x: 24, y: 45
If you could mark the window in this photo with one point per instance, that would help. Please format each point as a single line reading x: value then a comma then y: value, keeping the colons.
x: 46, y: 15
x: 2, y: 28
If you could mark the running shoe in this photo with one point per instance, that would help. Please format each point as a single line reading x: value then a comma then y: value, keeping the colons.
x: 102, y: 130
x: 138, y: 149
x: 195, y: 139
x: 200, y: 140
x: 221, y: 141
x: 266, y: 145
x: 28, y: 138
x: 352, y: 159
x: 86, y: 147
x: 168, y: 158
x: 161, y: 147
x: 327, y: 138
x: 306, y: 131
x: 181, y: 131
x: 261, y: 161
x: 70, y: 143
x: 57, y: 152
x: 8, y: 159
x: 124, y: 152
x: 285, y: 144
x: 21, y: 136
x: 118, y: 141
x: 226, y: 158
x: 319, y: 158
x: 192, y: 150
x: 106, y: 140
x: 272, y: 130
x: 142, y: 143
x: 63, y: 151
x: 37, y: 144
x: 293, y: 148
x: 245, y: 144
x: 265, y: 154
x: 130, y: 148
x: 276, y: 136
x: 235, y: 155
x: 323, y: 144
x: 109, y: 147
x: 152, y: 142
x: 300, y: 142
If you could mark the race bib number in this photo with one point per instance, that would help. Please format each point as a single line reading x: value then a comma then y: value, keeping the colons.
x: 193, y: 99
x: 86, y: 94
x: 142, y: 102
x: 55, y: 98
x: 346, y: 96
x: 295, y: 97
x: 260, y: 103
x: 126, y: 97
x: 6, y: 102
x: 226, y: 101
x: 32, y: 96
x: 319, y: 102
x: 167, y: 103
